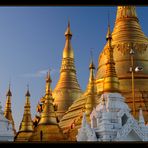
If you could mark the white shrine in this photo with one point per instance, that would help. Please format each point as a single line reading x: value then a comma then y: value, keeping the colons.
x: 111, y: 120
x: 6, y: 131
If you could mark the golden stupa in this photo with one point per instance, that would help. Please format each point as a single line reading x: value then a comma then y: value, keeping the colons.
x: 47, y: 129
x: 67, y: 89
x: 127, y: 35
x: 71, y: 121
x: 113, y: 74
x: 26, y: 126
x: 8, y: 111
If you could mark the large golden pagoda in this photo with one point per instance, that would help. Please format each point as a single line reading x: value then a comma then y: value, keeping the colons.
x: 47, y: 129
x: 8, y: 111
x: 127, y: 35
x: 67, y: 89
x: 71, y: 121
x: 26, y: 126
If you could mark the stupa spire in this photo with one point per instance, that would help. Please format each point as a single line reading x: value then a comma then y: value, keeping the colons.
x: 68, y: 50
x: 68, y: 32
x: 48, y: 114
x: 48, y: 83
x: 26, y: 124
x: 8, y: 110
x: 89, y: 104
x: 92, y: 69
x: 111, y: 82
x: 67, y: 88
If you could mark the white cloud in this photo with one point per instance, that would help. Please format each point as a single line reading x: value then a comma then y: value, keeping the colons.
x: 40, y: 73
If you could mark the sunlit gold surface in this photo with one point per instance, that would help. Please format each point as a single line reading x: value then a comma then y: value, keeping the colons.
x: 47, y: 128
x: 26, y: 126
x: 50, y: 133
x: 67, y: 88
x: 8, y: 111
x: 71, y: 121
x: 23, y: 136
x: 127, y: 34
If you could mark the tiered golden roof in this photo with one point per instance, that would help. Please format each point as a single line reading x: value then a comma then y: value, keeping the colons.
x: 127, y: 35
x: 26, y: 126
x: 48, y: 128
x: 71, y: 121
x: 67, y: 88
x: 8, y: 111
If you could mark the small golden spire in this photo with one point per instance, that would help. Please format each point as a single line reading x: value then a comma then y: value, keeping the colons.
x: 68, y: 51
x: 27, y: 93
x: 9, y: 92
x: 8, y: 111
x: 108, y: 36
x: 68, y: 32
x: 26, y: 124
x: 111, y: 82
x: 48, y: 82
x: 90, y: 91
x: 91, y: 68
x: 48, y: 114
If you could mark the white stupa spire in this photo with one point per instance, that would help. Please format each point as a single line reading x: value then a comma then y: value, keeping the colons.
x: 141, y: 118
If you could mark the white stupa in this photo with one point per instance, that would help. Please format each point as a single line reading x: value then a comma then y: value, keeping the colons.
x: 6, y: 130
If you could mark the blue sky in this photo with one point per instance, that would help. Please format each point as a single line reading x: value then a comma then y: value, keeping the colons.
x: 32, y: 40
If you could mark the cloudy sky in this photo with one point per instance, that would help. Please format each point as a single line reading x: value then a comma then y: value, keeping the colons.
x: 32, y: 41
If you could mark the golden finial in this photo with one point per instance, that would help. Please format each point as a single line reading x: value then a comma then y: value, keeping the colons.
x: 91, y: 67
x: 68, y: 51
x: 109, y: 35
x: 68, y: 31
x: 48, y: 83
x: 27, y: 93
x: 9, y: 91
x: 48, y: 78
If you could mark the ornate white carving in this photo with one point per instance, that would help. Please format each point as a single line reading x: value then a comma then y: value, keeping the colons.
x: 111, y: 121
